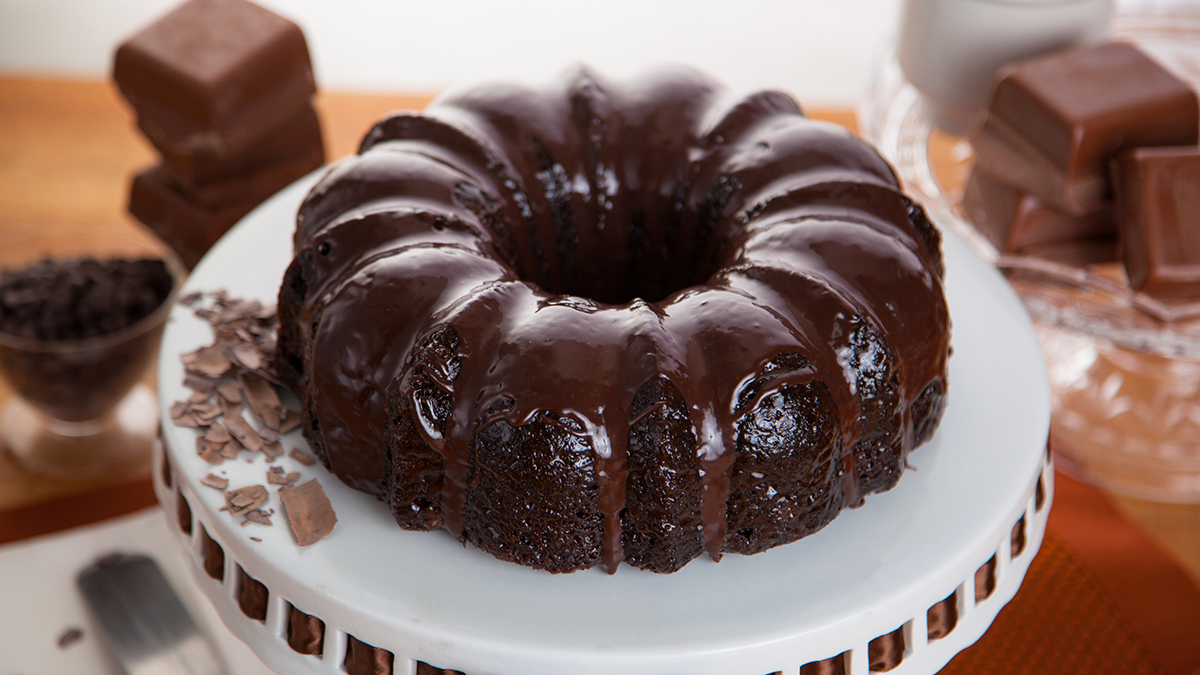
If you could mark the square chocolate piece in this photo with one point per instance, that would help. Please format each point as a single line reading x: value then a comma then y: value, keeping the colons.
x: 296, y: 138
x: 214, y: 74
x: 1158, y: 202
x: 187, y: 227
x: 251, y: 187
x: 1018, y: 222
x: 1054, y: 122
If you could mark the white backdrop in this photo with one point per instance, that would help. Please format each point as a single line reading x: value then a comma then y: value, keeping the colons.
x: 821, y: 50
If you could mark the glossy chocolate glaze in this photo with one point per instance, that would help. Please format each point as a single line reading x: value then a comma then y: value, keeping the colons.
x: 519, y: 254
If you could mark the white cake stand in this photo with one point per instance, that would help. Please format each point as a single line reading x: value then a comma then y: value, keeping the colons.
x: 425, y: 597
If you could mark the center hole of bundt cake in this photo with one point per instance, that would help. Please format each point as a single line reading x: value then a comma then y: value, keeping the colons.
x: 641, y: 260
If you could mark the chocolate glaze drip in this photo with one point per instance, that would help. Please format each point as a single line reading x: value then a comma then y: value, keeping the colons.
x: 526, y: 261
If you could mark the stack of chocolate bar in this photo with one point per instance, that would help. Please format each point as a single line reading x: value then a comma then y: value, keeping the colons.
x: 1088, y: 156
x: 223, y: 89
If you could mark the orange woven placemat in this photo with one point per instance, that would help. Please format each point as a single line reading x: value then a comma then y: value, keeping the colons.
x: 1101, y: 597
x: 1059, y: 623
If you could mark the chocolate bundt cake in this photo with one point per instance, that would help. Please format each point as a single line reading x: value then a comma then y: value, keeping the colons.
x: 596, y: 322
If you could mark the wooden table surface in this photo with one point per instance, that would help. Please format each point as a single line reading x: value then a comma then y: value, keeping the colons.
x: 68, y: 149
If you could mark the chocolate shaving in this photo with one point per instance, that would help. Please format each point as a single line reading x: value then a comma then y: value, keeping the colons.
x: 197, y: 383
x: 244, y: 500
x: 190, y: 299
x: 206, y: 410
x: 246, y: 435
x: 243, y: 347
x: 272, y: 450
x: 69, y: 637
x: 276, y: 476
x: 217, y: 433
x: 230, y: 408
x: 302, y: 457
x: 291, y: 420
x: 207, y: 361
x: 263, y: 399
x: 247, y: 356
x: 255, y: 539
x: 214, y: 481
x: 309, y: 512
x: 230, y: 392
x: 191, y: 420
x: 257, y: 516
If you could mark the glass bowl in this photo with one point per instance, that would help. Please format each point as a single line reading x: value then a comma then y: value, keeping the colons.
x: 79, y: 410
x: 1124, y: 367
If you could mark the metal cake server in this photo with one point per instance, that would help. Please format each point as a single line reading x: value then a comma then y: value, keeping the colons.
x: 148, y: 628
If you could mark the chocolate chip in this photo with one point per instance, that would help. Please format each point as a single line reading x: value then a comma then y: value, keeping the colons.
x: 80, y: 298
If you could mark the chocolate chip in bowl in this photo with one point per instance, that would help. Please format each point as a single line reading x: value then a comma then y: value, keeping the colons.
x: 81, y: 316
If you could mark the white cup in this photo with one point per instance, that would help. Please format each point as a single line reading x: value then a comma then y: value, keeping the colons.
x: 950, y: 49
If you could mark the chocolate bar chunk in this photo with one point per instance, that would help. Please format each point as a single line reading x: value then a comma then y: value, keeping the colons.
x: 187, y: 227
x: 1054, y: 122
x: 257, y: 186
x: 214, y: 75
x: 1158, y: 202
x: 296, y: 138
x: 190, y: 220
x: 1018, y: 222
